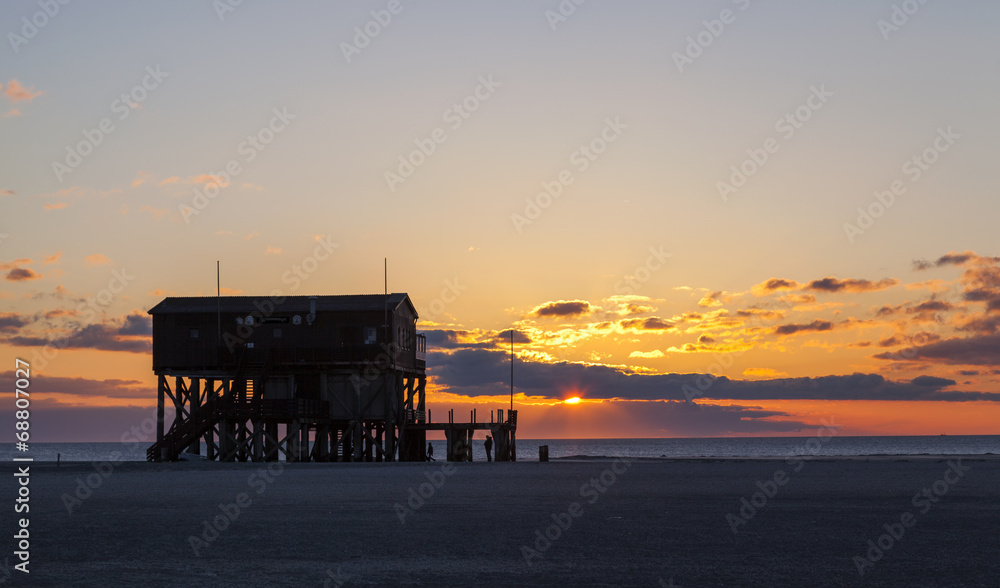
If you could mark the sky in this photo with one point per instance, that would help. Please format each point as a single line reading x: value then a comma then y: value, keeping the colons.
x: 702, y: 219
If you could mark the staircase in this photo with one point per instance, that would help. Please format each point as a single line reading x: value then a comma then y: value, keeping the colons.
x: 243, y: 402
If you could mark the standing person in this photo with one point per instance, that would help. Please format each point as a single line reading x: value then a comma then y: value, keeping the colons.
x: 430, y: 451
x: 489, y: 447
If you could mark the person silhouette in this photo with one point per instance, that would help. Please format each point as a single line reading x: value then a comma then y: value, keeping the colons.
x: 489, y: 447
x: 430, y: 451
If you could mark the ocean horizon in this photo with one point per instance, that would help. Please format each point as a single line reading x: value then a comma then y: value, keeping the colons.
x: 527, y: 449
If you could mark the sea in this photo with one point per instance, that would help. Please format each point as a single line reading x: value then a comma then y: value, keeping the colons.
x: 528, y: 449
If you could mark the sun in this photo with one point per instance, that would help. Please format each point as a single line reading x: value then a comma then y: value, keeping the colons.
x: 574, y: 400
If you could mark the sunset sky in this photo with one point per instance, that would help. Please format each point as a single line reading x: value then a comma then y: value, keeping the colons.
x: 798, y: 198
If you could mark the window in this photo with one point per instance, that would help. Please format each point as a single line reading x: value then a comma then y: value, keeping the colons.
x: 370, y: 336
x: 277, y: 333
x: 195, y: 333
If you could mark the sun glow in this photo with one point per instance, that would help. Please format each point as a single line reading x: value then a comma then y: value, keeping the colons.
x: 574, y: 400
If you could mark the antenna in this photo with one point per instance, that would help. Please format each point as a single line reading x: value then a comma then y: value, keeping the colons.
x: 218, y: 294
x: 512, y: 368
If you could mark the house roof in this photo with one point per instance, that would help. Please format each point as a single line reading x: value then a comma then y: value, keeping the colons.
x: 239, y: 304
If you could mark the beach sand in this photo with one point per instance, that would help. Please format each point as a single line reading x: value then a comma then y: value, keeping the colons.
x: 648, y: 523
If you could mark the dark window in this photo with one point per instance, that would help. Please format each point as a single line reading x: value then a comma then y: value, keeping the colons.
x: 195, y: 333
x: 277, y: 333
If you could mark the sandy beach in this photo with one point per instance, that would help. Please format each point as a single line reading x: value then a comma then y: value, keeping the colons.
x: 924, y: 521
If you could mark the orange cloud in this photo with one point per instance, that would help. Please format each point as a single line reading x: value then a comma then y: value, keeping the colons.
x: 56, y: 206
x: 773, y: 285
x: 16, y: 92
x: 96, y: 259
x: 52, y: 258
x: 141, y: 178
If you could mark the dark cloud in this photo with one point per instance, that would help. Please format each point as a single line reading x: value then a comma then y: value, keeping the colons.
x: 816, y: 325
x: 114, y: 388
x: 706, y: 339
x: 647, y: 324
x: 890, y: 341
x: 21, y: 274
x: 125, y: 334
x: 137, y: 324
x: 692, y: 419
x: 930, y: 306
x: 11, y: 321
x: 932, y: 381
x: 475, y: 372
x: 519, y: 337
x: 850, y: 285
x: 977, y: 350
x: 562, y: 308
x: 775, y: 284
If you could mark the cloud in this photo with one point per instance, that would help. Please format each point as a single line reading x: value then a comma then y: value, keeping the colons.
x: 478, y: 372
x: 272, y: 250
x: 11, y: 322
x: 6, y: 192
x: 562, y: 308
x: 712, y: 300
x: 652, y: 323
x: 141, y: 177
x: 56, y: 206
x: 773, y: 285
x: 768, y: 373
x: 127, y: 334
x: 976, y: 350
x: 647, y: 354
x: 850, y: 285
x: 22, y: 274
x: 114, y: 387
x: 951, y: 258
x: 17, y: 92
x: 96, y: 259
x: 52, y: 258
x: 791, y: 329
x: 12, y: 112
